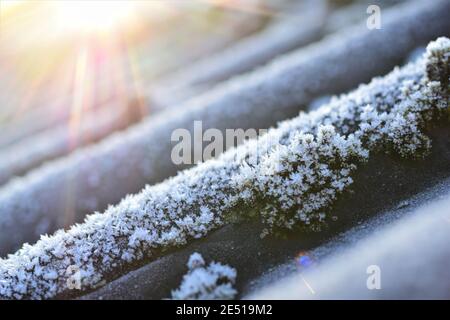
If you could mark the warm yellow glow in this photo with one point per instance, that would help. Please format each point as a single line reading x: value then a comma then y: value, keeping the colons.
x: 9, y: 3
x: 93, y: 15
x: 9, y: 6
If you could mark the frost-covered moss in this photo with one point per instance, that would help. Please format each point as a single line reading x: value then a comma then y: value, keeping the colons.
x: 65, y: 190
x: 290, y: 177
x: 312, y: 165
x: 214, y: 281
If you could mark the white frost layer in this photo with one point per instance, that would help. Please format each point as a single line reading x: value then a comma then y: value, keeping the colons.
x: 61, y: 192
x: 294, y: 174
x: 214, y: 281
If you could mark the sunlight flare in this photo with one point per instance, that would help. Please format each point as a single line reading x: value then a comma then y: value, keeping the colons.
x: 94, y: 15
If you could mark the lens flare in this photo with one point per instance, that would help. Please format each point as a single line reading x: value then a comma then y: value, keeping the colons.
x: 304, y: 260
x: 95, y: 15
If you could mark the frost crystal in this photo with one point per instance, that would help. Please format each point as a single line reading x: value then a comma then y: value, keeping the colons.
x: 206, y: 283
x: 291, y: 178
x: 105, y: 173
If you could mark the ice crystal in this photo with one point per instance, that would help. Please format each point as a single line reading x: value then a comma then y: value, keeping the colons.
x: 214, y: 281
x: 91, y: 178
x: 291, y: 178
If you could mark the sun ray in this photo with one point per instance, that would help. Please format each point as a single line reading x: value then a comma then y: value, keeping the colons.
x: 137, y: 91
x: 251, y: 7
x: 79, y: 93
x: 94, y: 15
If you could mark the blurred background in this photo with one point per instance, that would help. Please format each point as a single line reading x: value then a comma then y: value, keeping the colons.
x: 90, y: 68
x: 61, y: 59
